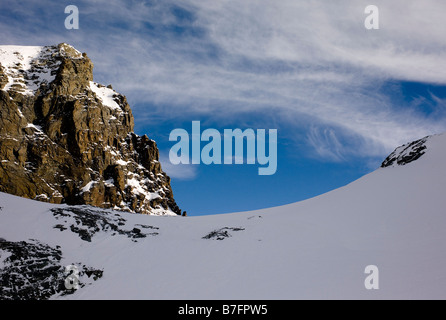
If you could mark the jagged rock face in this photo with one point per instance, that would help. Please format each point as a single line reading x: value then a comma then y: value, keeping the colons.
x: 67, y: 139
x: 406, y: 154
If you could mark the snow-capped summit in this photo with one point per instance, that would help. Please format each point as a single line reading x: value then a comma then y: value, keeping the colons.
x: 416, y: 150
x: 29, y: 68
x: 406, y: 153
x: 67, y: 139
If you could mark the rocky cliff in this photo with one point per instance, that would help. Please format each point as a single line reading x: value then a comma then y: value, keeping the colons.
x: 67, y: 139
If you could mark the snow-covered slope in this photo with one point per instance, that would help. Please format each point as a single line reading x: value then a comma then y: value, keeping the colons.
x: 393, y: 218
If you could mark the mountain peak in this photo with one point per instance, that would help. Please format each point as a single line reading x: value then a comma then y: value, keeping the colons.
x: 67, y: 139
x: 30, y: 68
x: 406, y: 153
x: 413, y: 151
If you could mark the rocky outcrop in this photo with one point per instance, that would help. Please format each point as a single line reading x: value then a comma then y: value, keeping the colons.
x: 67, y: 139
x: 33, y: 271
x: 406, y: 154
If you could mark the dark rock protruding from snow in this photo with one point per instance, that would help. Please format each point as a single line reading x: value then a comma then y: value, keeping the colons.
x: 222, y: 233
x: 406, y: 153
x: 86, y: 222
x: 32, y: 270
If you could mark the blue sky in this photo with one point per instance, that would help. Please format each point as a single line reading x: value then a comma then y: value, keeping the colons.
x: 341, y: 97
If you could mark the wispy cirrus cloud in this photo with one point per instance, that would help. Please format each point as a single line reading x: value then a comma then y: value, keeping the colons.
x: 180, y: 171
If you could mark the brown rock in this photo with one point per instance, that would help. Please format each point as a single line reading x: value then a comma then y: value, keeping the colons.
x: 65, y: 143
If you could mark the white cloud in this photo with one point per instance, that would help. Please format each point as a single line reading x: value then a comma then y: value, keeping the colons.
x: 325, y: 144
x: 330, y: 64
x: 180, y: 171
x: 311, y: 59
